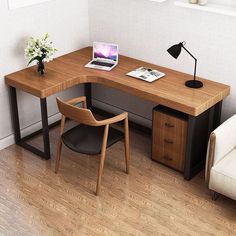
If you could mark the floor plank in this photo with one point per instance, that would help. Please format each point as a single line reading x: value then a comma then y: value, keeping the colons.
x: 151, y: 200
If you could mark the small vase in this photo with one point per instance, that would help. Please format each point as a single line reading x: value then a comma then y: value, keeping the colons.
x: 193, y: 1
x: 41, y: 67
x: 202, y: 2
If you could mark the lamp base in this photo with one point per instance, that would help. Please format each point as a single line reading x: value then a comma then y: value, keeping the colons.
x: 193, y: 84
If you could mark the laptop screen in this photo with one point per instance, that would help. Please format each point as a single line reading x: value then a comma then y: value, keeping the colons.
x: 105, y: 51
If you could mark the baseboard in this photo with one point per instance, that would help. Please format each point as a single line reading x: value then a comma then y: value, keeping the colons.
x: 9, y: 140
x: 115, y: 110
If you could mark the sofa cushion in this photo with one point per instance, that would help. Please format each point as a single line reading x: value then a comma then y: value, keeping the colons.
x: 223, y: 176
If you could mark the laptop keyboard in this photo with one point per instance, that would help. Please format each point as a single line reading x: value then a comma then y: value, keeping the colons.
x: 100, y: 63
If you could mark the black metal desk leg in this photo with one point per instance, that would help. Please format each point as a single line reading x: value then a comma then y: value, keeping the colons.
x: 88, y: 94
x: 211, y: 121
x: 15, y: 115
x: 17, y: 132
x: 45, y: 128
x: 199, y: 130
x: 190, y: 137
x: 217, y: 114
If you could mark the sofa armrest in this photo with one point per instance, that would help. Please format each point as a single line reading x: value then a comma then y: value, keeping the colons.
x: 221, y: 142
x: 210, y: 157
x: 225, y: 138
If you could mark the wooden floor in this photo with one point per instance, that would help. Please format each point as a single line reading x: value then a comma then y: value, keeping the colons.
x: 151, y: 200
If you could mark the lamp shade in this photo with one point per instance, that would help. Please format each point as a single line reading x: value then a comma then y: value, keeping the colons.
x: 175, y: 50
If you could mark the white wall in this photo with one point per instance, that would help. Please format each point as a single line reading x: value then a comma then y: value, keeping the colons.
x: 68, y: 25
x: 145, y: 29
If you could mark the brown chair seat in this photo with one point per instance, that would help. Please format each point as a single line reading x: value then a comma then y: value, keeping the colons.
x: 88, y: 139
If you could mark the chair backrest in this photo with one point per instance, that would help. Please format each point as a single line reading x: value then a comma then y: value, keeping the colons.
x: 80, y: 115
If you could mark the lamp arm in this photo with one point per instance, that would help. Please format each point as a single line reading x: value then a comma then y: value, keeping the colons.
x: 195, y: 69
x: 195, y: 66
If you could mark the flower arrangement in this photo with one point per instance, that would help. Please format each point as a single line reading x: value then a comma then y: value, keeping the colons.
x: 40, y: 50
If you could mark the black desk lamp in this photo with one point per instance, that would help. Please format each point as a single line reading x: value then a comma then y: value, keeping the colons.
x: 175, y: 51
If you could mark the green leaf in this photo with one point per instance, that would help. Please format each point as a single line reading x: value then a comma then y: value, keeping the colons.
x: 34, y: 58
x: 46, y: 36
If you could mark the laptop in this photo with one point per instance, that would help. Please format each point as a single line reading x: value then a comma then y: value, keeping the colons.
x: 105, y: 56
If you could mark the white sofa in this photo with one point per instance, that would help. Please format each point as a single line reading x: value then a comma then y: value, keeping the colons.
x: 221, y: 159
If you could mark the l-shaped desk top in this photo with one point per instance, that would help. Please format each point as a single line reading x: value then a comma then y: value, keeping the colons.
x: 68, y: 70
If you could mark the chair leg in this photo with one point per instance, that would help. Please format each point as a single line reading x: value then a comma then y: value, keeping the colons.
x: 215, y: 195
x: 58, y: 157
x: 63, y: 120
x: 102, y: 160
x: 127, y: 150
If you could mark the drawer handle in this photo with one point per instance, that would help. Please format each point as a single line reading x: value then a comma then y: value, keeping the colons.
x: 168, y: 141
x: 168, y: 158
x: 169, y: 125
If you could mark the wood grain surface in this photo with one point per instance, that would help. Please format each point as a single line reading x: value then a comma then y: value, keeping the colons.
x: 151, y: 200
x: 169, y: 140
x: 68, y: 70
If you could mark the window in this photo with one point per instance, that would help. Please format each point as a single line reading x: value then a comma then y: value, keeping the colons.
x: 23, y: 3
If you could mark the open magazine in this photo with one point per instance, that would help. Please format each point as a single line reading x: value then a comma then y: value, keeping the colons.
x: 146, y: 74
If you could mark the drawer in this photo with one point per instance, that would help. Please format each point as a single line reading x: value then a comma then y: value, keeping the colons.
x: 169, y: 139
x: 169, y: 157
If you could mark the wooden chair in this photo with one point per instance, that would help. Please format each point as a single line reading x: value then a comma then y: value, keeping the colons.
x: 91, y: 136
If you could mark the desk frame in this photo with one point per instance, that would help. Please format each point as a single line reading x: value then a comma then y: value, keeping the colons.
x: 45, y: 127
x: 45, y: 154
x: 211, y: 118
x: 212, y: 115
x: 202, y: 107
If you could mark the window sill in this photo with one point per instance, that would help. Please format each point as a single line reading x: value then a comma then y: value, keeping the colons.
x: 210, y: 7
x: 158, y: 1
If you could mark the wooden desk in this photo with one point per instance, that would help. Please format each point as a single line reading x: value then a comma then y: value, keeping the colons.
x: 68, y: 70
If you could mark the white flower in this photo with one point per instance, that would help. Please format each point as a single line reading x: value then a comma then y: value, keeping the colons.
x: 40, y: 49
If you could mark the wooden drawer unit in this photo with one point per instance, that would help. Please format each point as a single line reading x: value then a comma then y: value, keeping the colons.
x: 169, y: 137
